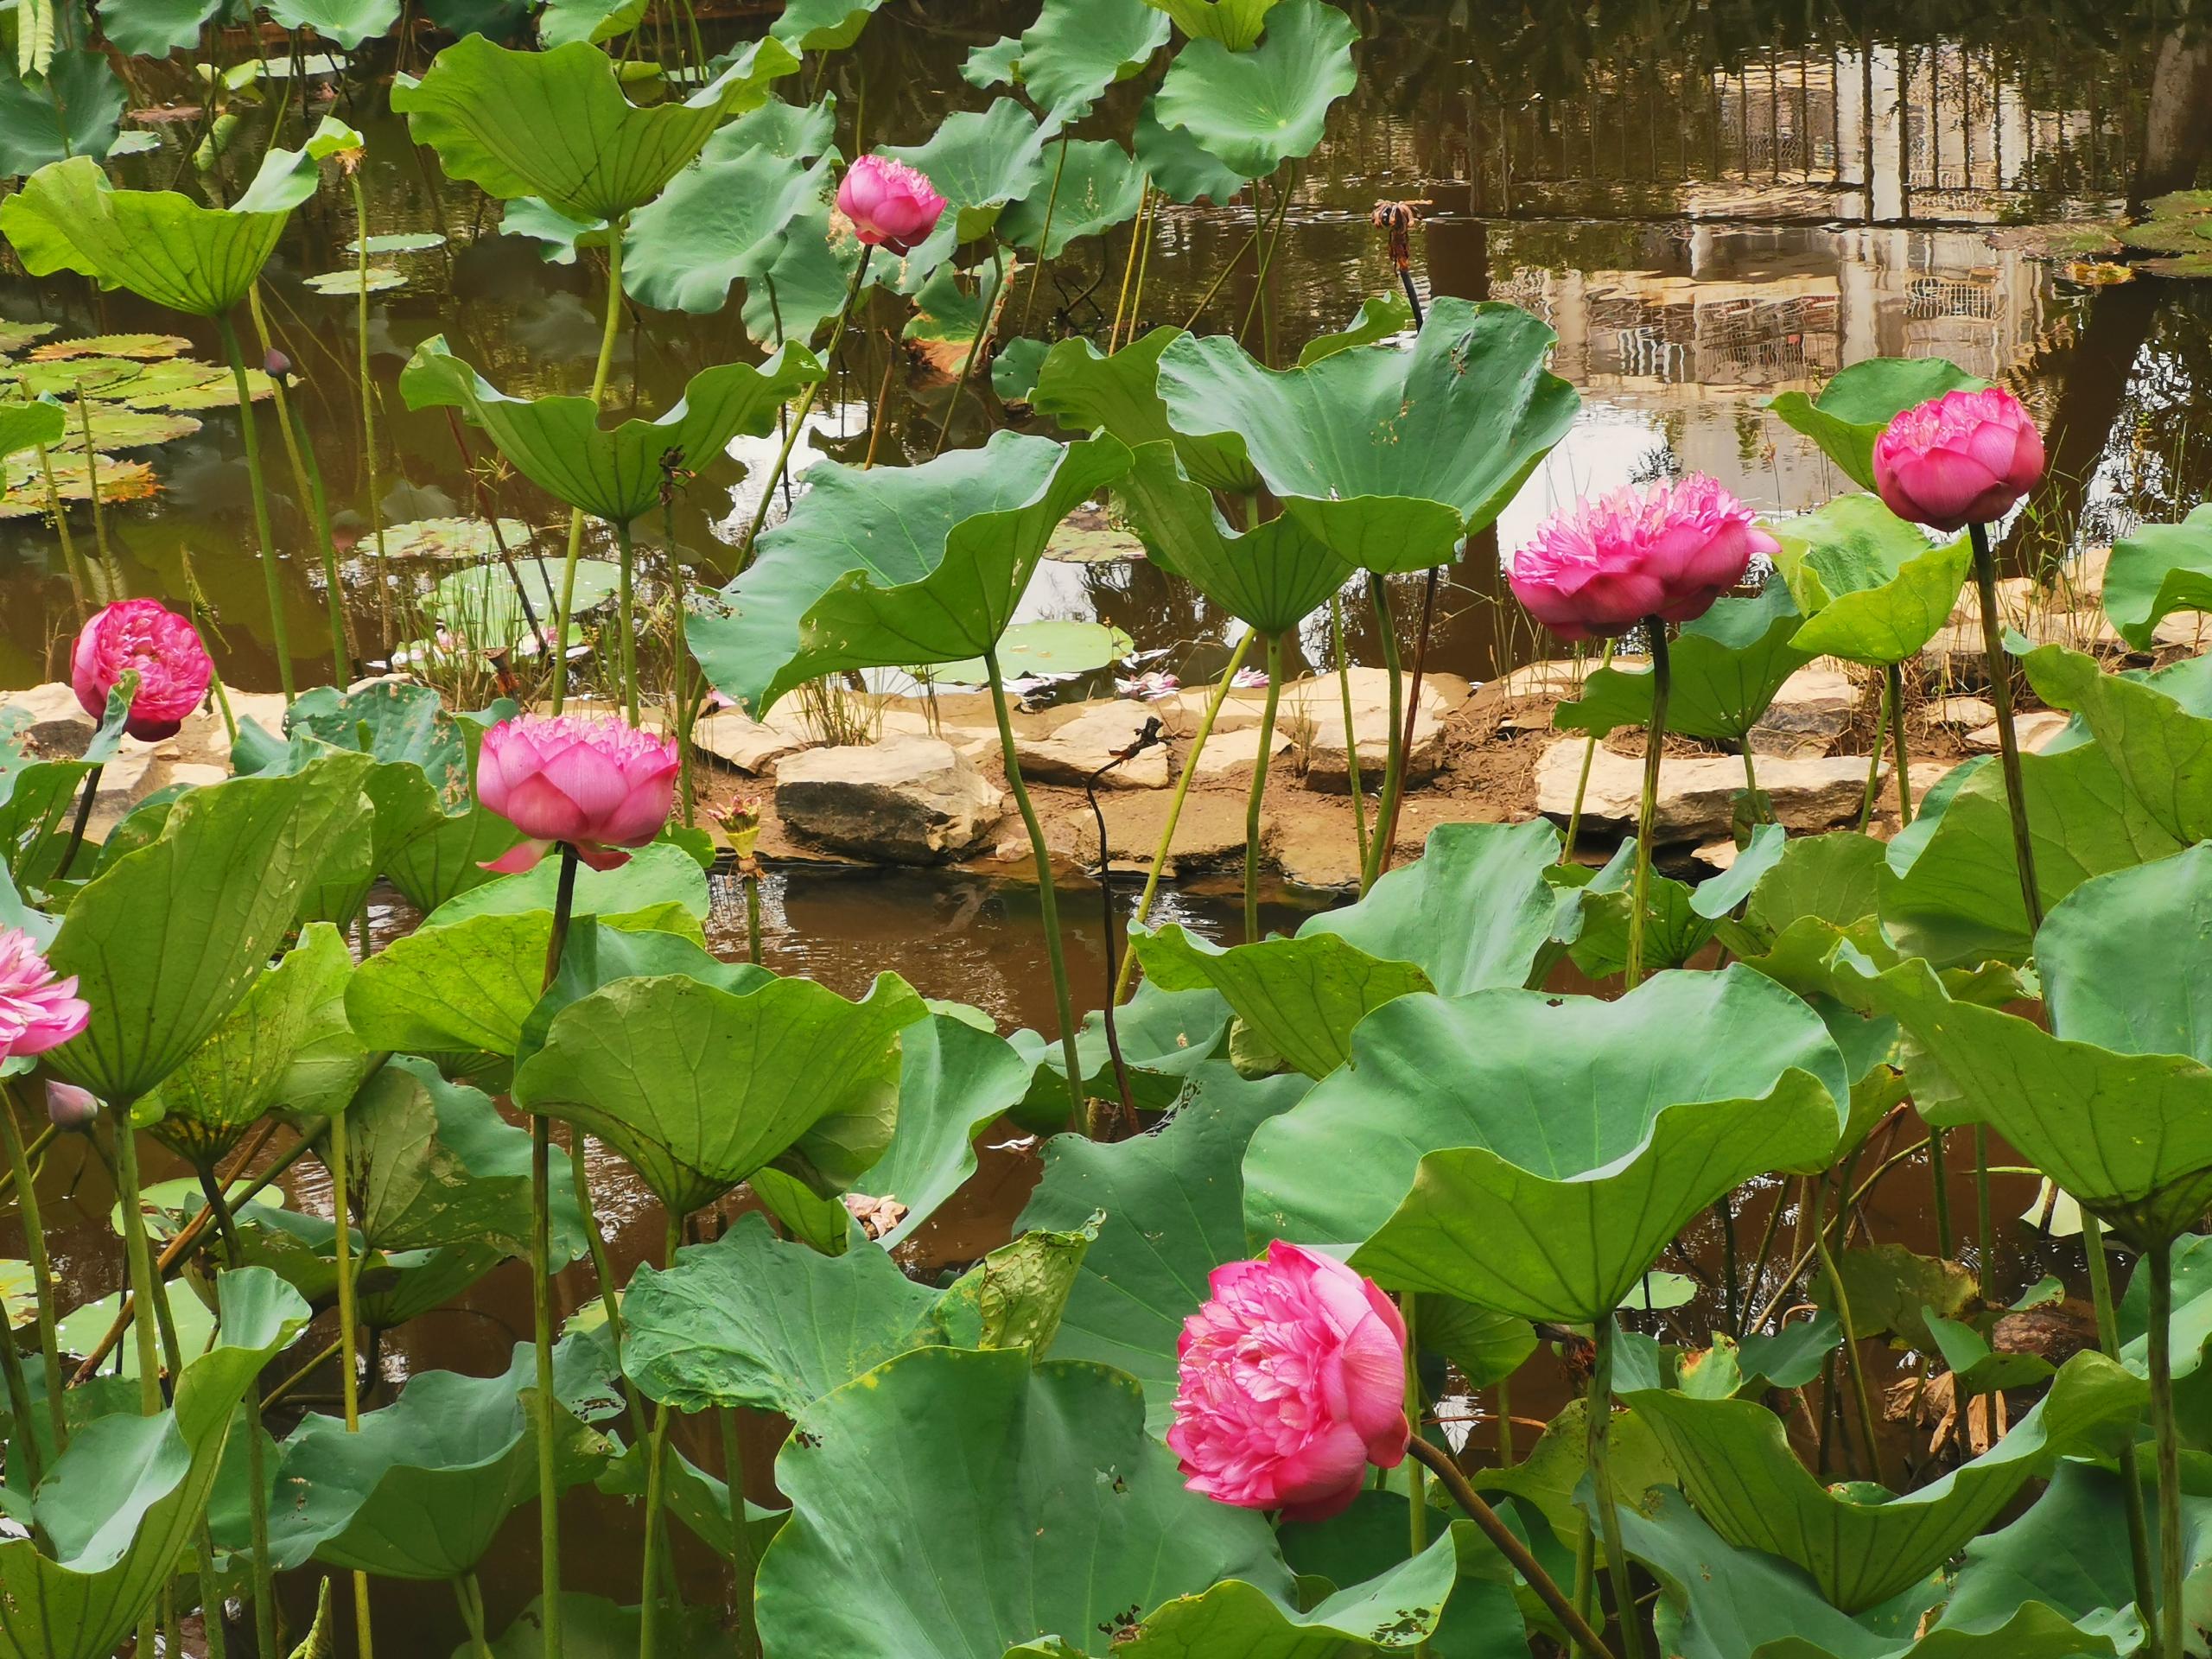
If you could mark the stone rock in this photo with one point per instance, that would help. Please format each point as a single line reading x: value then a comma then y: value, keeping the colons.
x: 2189, y: 629
x: 750, y: 745
x: 2033, y: 727
x: 1312, y: 715
x: 1073, y: 751
x: 1968, y: 712
x: 905, y: 800
x: 1228, y: 756
x: 1696, y: 792
x: 54, y: 721
x: 1814, y: 709
x: 1559, y: 677
x: 1718, y: 855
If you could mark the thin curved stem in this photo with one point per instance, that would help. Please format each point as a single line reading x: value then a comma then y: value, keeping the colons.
x: 744, y: 1565
x: 1850, y: 1358
x: 608, y: 330
x: 2008, y: 739
x: 42, y: 1265
x: 291, y: 427
x: 2161, y: 1420
x: 1394, y: 770
x: 249, y: 429
x: 1582, y: 783
x: 1902, y: 757
x: 2131, y: 1473
x: 627, y: 622
x: 1655, y: 748
x: 1351, y: 738
x: 541, y: 1301
x: 657, y: 1497
x: 1874, y: 762
x: 1256, y: 798
x: 368, y: 384
x: 805, y: 407
x: 1600, y: 1405
x: 257, y: 1456
x: 349, y: 1379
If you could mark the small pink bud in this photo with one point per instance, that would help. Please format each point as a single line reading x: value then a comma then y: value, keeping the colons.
x: 68, y: 1107
x: 890, y: 204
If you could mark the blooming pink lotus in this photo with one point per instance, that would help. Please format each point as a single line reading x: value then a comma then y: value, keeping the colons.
x: 1664, y: 549
x: 145, y: 636
x: 39, y: 1010
x: 600, y: 785
x: 890, y: 204
x: 1965, y: 458
x: 1293, y: 1381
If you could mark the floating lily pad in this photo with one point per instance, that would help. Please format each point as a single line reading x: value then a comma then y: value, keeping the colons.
x: 1045, y: 647
x: 353, y: 281
x: 221, y: 392
x: 399, y: 242
x: 1085, y: 538
x: 120, y: 480
x: 446, y: 539
x: 75, y: 374
x: 14, y: 336
x: 145, y: 347
x: 118, y: 427
x: 156, y: 383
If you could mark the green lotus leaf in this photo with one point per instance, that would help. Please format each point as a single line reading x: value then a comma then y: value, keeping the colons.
x: 823, y: 25
x: 1087, y: 390
x: 1726, y: 667
x: 431, y: 1164
x: 1166, y: 1038
x: 594, y: 21
x: 593, y: 1627
x: 1093, y: 186
x: 1872, y: 587
x: 1032, y: 1488
x: 594, y: 958
x: 559, y: 444
x: 699, y: 1088
x: 154, y: 28
x: 121, y: 1506
x: 899, y: 566
x: 2154, y: 730
x: 1546, y: 1479
x: 2159, y: 570
x: 1236, y: 23
x: 1049, y: 644
x: 725, y: 220
x: 1174, y: 1212
x: 1578, y: 1134
x: 653, y: 879
x: 954, y: 1083
x: 1975, y: 1367
x: 1077, y: 48
x: 423, y: 1488
x: 1893, y: 1291
x: 1858, y: 405
x: 167, y: 939
x: 347, y: 22
x: 1738, y: 1470
x: 24, y: 426
x: 1257, y: 109
x: 697, y: 1499
x: 244, y: 1069
x: 807, y: 284
x: 1369, y: 1541
x: 752, y: 1320
x: 1270, y: 578
x: 1742, y: 1604
x: 1178, y: 165
x: 555, y: 125
x: 1473, y: 914
x: 1674, y: 929
x: 74, y: 108
x: 978, y: 161
x: 1391, y: 458
x: 160, y: 246
x: 1382, y: 316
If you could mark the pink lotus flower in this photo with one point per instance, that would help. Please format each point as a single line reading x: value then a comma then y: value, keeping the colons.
x: 141, y: 636
x: 1666, y: 549
x: 1965, y: 458
x: 890, y: 204
x: 600, y: 785
x: 38, y: 1010
x: 1248, y: 679
x: 1152, y: 686
x: 1293, y: 1381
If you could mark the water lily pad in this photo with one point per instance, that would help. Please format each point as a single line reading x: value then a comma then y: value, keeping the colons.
x: 399, y: 242
x: 448, y: 538
x: 14, y: 336
x: 1085, y: 538
x: 353, y: 280
x: 219, y: 391
x: 145, y: 347
x: 120, y: 481
x: 1049, y: 646
x: 1258, y: 108
x: 116, y: 427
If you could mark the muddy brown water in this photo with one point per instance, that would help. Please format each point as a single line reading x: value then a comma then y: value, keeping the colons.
x: 1706, y: 219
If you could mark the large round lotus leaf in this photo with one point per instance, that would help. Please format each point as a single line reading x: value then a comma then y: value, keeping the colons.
x: 154, y: 29
x: 1382, y: 316
x: 1077, y: 48
x: 1574, y: 1135
x: 347, y: 22
x: 2160, y: 745
x: 1087, y: 390
x: 594, y: 21
x: 421, y: 1488
x: 1390, y: 457
x: 1236, y: 23
x: 1739, y: 1471
x: 1180, y: 167
x: 898, y: 567
x: 2159, y: 570
x: 1032, y: 1488
x: 955, y: 1081
x: 217, y: 890
x: 1049, y: 645
x: 728, y: 219
x: 1257, y: 109
x: 1857, y: 406
x: 699, y: 1088
x: 823, y: 25
x: 978, y: 161
x: 1872, y: 589
x: 1174, y: 1212
x: 555, y: 125
x: 1726, y: 667
x: 446, y: 539
x: 143, y: 347
x: 160, y: 246
x: 561, y: 445
x: 115, y: 427
x: 72, y: 103
x: 1473, y: 914
x: 124, y: 1502
x: 1088, y: 185
x: 656, y: 878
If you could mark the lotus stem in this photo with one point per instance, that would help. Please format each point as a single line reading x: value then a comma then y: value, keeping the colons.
x: 610, y: 1299
x: 348, y: 1324
x: 79, y: 589
x: 805, y: 407
x: 1585, y: 1580
x: 84, y: 794
x: 291, y: 427
x: 655, y: 1494
x: 1256, y: 796
x: 626, y: 622
x: 1939, y: 1175
x: 2008, y: 740
x: 1048, y: 904
x: 92, y: 481
x: 1600, y: 1404
x: 19, y: 1402
x: 42, y: 1267
x: 1044, y: 237
x: 2161, y: 1265
x: 1130, y: 1122
x: 1144, y: 266
x: 753, y: 918
x: 1394, y: 772
x: 1416, y: 1414
x: 368, y: 385
x: 1130, y: 267
x: 743, y: 1566
x: 687, y: 706
x: 465, y: 1593
x: 1874, y: 762
x: 1896, y: 677
x: 1504, y: 1422
x: 485, y: 505
x: 1851, y: 1359
x: 1654, y: 748
x: 264, y: 1577
x: 1751, y: 785
x: 1412, y: 719
x: 1267, y: 259
x: 249, y: 429
x: 2138, y: 1540
x: 138, y: 1258
x: 980, y: 345
x: 607, y: 333
x: 1351, y: 739
x: 1582, y: 783
x: 541, y: 1296
x: 1175, y: 803
x: 1725, y: 1213
x: 1985, y: 1221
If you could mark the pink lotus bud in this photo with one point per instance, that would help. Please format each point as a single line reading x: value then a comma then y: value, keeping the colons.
x: 890, y: 204
x: 1666, y: 549
x: 140, y: 635
x: 1293, y: 1381
x: 1965, y: 458
x: 38, y: 1010
x: 600, y: 785
x: 68, y: 1107
x: 275, y: 365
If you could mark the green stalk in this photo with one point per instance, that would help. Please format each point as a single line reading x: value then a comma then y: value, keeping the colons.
x: 348, y: 1325
x: 1942, y: 1176
x: 1582, y: 783
x: 1896, y: 679
x: 2162, y: 1421
x: 472, y: 1616
x: 1601, y: 1475
x: 2008, y: 740
x: 1985, y: 1221
x: 1394, y: 772
x: 627, y: 622
x: 805, y: 407
x: 1044, y: 237
x: 368, y: 385
x: 1654, y: 746
x: 80, y: 589
x: 250, y: 427
x: 257, y: 1456
x: 1874, y: 762
x: 140, y: 1265
x: 743, y: 1566
x: 656, y: 1496
x: 1416, y: 1411
x: 291, y: 427
x: 93, y: 482
x: 1851, y: 1356
x: 610, y: 1300
x: 607, y: 333
x: 42, y: 1265
x: 1505, y: 1422
x: 1256, y: 796
x: 1175, y: 803
x: 1351, y: 740
x: 687, y: 706
x: 2130, y: 1474
x: 1048, y: 903
x: 19, y: 1401
x: 541, y: 1299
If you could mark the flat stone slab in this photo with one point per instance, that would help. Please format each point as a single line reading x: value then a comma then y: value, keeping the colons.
x: 1077, y: 750
x: 1696, y: 793
x: 904, y: 800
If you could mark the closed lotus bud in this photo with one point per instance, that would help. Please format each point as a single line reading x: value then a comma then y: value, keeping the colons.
x: 68, y: 1107
x: 275, y: 365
